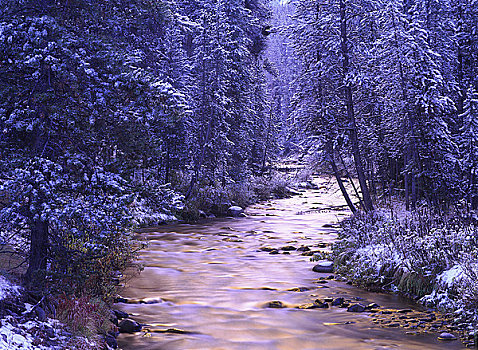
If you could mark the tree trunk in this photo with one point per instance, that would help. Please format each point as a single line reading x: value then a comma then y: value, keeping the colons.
x: 350, y: 111
x: 330, y: 153
x: 411, y: 154
x: 38, y: 248
x: 351, y: 180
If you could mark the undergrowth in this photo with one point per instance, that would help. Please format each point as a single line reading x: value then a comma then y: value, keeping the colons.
x: 216, y: 198
x: 422, y: 254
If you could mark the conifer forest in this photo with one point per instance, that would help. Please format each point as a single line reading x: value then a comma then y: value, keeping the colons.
x: 188, y: 174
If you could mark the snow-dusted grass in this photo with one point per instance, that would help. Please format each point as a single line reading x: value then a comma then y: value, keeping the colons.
x: 425, y: 255
x: 37, y: 335
x: 25, y: 331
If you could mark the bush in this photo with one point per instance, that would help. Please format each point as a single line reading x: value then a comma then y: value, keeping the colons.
x: 84, y: 316
x: 216, y: 198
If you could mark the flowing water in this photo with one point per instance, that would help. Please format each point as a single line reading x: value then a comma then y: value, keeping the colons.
x: 207, y: 285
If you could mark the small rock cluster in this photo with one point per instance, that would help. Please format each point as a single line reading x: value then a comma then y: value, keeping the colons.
x: 124, y: 325
x: 286, y: 250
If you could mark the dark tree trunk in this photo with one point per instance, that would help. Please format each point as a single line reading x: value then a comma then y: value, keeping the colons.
x: 367, y: 200
x: 407, y: 185
x: 38, y: 248
x: 330, y: 154
x: 351, y: 180
x: 168, y: 165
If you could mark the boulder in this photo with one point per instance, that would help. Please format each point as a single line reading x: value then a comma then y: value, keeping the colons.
x: 276, y: 304
x: 111, y: 341
x: 324, y: 267
x: 129, y: 326
x: 120, y: 314
x: 202, y: 214
x: 113, y: 318
x: 321, y: 304
x: 338, y: 301
x: 288, y: 248
x: 446, y: 336
x: 303, y: 249
x: 373, y: 306
x: 235, y: 211
x: 266, y: 249
x: 356, y: 308
x: 40, y: 314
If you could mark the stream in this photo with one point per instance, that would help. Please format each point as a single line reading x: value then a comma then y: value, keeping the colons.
x: 208, y: 285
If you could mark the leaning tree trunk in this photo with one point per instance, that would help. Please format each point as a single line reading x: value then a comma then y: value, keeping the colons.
x: 367, y: 200
x: 330, y: 156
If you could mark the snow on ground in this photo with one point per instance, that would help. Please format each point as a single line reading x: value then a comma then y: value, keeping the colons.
x: 30, y: 335
x: 26, y: 332
x: 7, y: 289
x: 451, y: 276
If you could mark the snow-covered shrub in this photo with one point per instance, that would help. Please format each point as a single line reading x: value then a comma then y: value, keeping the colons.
x: 155, y: 203
x: 216, y: 198
x: 80, y: 111
x: 265, y: 186
x: 421, y: 253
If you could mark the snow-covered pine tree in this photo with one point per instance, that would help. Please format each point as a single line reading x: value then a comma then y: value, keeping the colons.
x: 77, y: 95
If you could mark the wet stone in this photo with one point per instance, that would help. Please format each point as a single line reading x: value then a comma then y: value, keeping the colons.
x: 289, y: 248
x: 356, y: 308
x: 266, y: 249
x: 175, y: 331
x: 111, y: 341
x: 298, y: 289
x: 129, y: 326
x: 324, y: 267
x: 303, y: 249
x: 120, y: 314
x: 274, y: 252
x: 307, y: 306
x: 320, y: 304
x: 276, y: 304
x: 338, y: 301
x: 446, y: 336
x: 121, y: 300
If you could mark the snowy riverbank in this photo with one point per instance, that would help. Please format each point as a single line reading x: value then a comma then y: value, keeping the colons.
x: 428, y: 257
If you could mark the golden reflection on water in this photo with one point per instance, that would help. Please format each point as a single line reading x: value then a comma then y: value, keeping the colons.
x: 207, y: 285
